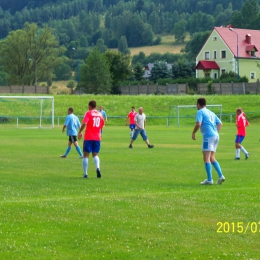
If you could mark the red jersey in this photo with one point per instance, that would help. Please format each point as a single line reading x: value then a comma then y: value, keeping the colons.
x: 241, y: 123
x: 94, y: 123
x: 131, y: 116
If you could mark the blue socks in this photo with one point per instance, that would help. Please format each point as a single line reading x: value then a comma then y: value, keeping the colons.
x: 217, y: 168
x: 79, y: 150
x: 67, y: 151
x: 208, y: 171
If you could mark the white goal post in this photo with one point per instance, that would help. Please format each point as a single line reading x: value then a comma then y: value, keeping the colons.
x: 38, y: 110
x: 177, y: 112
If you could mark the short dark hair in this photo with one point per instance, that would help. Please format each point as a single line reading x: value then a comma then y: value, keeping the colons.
x: 92, y: 103
x: 201, y: 102
x: 70, y: 109
x: 132, y: 107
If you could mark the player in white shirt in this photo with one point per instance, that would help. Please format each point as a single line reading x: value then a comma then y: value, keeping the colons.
x: 140, y: 120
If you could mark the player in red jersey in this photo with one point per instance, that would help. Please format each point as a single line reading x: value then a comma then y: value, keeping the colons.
x: 93, y: 121
x: 131, y: 120
x: 241, y: 124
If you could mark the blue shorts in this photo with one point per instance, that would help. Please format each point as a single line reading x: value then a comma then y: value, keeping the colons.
x: 132, y: 126
x: 239, y: 139
x: 91, y: 146
x: 141, y: 132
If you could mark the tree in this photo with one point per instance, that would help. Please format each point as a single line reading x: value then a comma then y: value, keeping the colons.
x: 139, y: 5
x: 83, y: 42
x: 62, y: 72
x: 154, y: 21
x: 183, y: 69
x: 160, y: 71
x: 138, y: 33
x: 3, y: 78
x: 196, y: 42
x: 101, y: 45
x: 95, y: 77
x: 139, y: 58
x: 122, y: 45
x: 247, y: 16
x: 138, y: 71
x: 179, y: 31
x: 29, y: 51
x: 119, y: 66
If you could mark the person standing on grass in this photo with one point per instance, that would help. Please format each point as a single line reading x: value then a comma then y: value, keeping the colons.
x: 93, y: 122
x: 140, y: 121
x: 130, y: 120
x: 241, y: 124
x: 103, y: 113
x: 72, y: 124
x: 209, y: 125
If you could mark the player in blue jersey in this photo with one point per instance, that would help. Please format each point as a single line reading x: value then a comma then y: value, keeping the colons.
x: 103, y: 113
x: 209, y: 125
x: 72, y: 125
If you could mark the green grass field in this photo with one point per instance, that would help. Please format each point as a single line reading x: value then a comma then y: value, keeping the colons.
x: 147, y: 205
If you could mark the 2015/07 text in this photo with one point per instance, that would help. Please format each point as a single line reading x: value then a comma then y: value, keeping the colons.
x: 238, y: 227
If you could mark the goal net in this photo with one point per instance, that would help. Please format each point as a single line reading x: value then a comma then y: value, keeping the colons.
x: 27, y: 111
x: 186, y: 114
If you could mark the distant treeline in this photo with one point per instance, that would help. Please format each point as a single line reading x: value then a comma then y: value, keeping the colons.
x: 137, y: 20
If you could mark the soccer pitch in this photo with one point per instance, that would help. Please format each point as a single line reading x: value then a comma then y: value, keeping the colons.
x: 147, y: 205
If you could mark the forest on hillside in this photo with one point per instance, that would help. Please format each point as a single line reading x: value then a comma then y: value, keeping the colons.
x: 79, y: 25
x: 110, y: 19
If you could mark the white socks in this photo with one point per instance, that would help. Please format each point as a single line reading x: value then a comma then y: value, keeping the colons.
x: 237, y: 153
x: 85, y: 165
x: 244, y: 150
x: 97, y: 162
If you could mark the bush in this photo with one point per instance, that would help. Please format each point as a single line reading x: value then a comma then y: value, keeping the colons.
x: 71, y: 84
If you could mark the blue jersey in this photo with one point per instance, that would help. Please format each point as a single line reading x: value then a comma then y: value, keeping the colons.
x: 72, y: 124
x: 103, y: 113
x: 208, y: 121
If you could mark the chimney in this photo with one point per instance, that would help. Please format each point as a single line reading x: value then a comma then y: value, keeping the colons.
x: 248, y: 38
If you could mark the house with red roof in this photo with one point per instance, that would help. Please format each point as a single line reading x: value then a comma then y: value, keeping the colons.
x: 230, y: 49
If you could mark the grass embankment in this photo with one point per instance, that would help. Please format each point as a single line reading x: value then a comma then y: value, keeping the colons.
x: 119, y: 106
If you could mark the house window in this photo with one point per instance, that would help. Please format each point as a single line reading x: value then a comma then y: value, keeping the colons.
x: 223, y: 71
x: 215, y: 54
x: 206, y: 55
x: 215, y: 75
x: 214, y: 38
x: 223, y: 54
x: 253, y: 53
x: 207, y: 74
x: 252, y: 75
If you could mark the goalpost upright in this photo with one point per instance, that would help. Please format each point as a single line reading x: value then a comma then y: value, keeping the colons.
x: 41, y: 98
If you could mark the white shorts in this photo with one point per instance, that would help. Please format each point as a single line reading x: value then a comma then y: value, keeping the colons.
x: 210, y: 144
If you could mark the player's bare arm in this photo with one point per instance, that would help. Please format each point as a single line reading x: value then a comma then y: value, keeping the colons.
x: 219, y: 127
x: 196, y: 128
x: 80, y: 130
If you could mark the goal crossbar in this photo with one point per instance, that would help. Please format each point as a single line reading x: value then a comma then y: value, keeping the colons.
x: 194, y: 106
